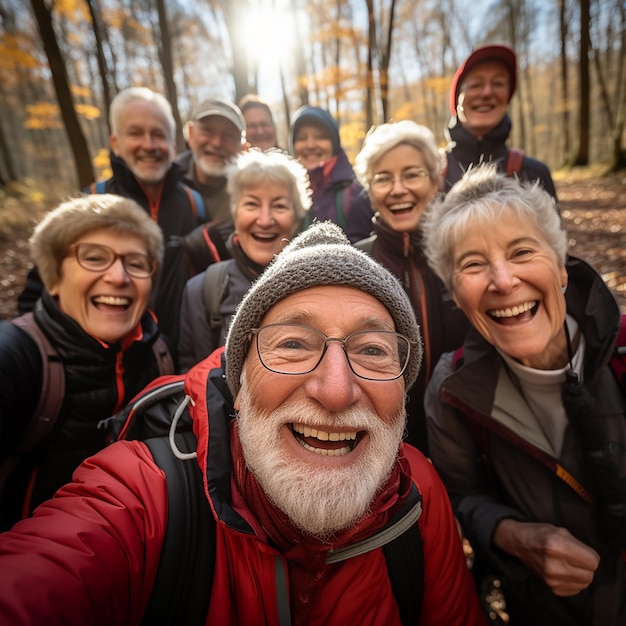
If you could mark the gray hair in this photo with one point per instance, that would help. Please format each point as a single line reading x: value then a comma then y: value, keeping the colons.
x: 380, y: 139
x: 484, y: 194
x: 63, y: 226
x: 250, y: 169
x: 131, y: 94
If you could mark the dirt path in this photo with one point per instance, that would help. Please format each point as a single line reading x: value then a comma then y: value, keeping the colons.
x: 593, y: 211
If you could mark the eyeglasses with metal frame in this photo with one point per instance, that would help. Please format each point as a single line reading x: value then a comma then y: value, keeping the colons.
x: 380, y: 355
x: 412, y: 178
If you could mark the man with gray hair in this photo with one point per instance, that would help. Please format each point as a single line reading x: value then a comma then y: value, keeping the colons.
x: 215, y: 133
x: 299, y: 445
x: 142, y: 141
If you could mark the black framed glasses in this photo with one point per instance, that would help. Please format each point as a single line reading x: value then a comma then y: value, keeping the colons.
x: 294, y: 349
x: 95, y: 257
x: 413, y: 178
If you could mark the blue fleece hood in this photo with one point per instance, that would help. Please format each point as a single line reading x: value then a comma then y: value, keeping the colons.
x: 317, y: 116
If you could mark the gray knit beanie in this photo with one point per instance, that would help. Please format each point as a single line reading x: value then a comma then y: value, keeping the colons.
x: 321, y: 255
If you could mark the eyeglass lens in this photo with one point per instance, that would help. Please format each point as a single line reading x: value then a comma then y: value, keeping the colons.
x: 294, y: 349
x: 411, y: 179
x: 98, y: 258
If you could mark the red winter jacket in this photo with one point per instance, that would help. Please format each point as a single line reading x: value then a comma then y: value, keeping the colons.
x: 90, y: 555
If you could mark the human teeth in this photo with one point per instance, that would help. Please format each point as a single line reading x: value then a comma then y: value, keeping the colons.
x: 113, y: 301
x: 512, y: 311
x: 323, y: 451
x: 323, y: 435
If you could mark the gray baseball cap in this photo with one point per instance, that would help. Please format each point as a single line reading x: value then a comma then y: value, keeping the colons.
x: 223, y: 109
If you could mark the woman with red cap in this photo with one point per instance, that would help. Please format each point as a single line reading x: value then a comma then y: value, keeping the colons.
x: 480, y: 93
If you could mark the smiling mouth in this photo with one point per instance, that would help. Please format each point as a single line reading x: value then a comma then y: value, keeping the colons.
x: 264, y: 237
x: 517, y: 313
x: 401, y: 209
x: 111, y: 301
x: 325, y: 443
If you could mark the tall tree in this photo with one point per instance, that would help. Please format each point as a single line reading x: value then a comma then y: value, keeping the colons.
x: 103, y: 69
x: 164, y: 47
x: 565, y: 124
x: 582, y: 156
x: 78, y: 143
x: 385, y: 60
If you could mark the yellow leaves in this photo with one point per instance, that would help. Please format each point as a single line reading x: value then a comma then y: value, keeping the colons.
x: 74, y: 11
x: 42, y: 115
x: 102, y: 163
x: 78, y: 91
x: 14, y: 53
x: 88, y: 111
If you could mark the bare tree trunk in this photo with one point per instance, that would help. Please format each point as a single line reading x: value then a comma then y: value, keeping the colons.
x: 567, y: 144
x: 582, y: 158
x: 371, y: 47
x: 6, y: 159
x: 300, y: 64
x: 164, y: 46
x: 233, y: 10
x: 384, y: 63
x: 82, y: 158
x: 96, y: 21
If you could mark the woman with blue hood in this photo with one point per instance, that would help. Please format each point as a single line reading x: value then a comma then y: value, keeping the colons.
x: 314, y: 141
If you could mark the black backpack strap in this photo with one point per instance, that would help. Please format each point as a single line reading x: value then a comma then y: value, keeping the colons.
x: 163, y: 357
x: 214, y: 287
x: 401, y: 541
x: 182, y: 589
x: 405, y: 566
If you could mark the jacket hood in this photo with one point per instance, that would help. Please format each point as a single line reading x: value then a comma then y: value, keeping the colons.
x: 319, y: 117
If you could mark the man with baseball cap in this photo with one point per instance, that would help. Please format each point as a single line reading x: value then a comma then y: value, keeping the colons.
x: 480, y: 93
x: 305, y: 471
x: 215, y: 133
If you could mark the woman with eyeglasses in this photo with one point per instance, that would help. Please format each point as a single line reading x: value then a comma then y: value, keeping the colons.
x: 98, y: 257
x: 399, y: 166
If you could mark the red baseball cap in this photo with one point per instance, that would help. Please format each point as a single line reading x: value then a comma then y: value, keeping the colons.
x: 503, y: 54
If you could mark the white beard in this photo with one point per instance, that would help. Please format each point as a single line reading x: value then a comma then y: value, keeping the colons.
x: 319, y: 501
x: 210, y: 168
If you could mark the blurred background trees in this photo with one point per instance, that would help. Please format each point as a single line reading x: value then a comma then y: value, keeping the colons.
x: 367, y: 61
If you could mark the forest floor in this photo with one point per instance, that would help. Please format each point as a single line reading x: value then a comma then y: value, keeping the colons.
x: 593, y: 209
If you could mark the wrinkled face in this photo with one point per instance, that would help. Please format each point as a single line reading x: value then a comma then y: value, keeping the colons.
x: 260, y: 129
x: 328, y: 437
x: 108, y: 304
x: 312, y: 145
x: 508, y: 281
x: 214, y: 141
x: 401, y: 188
x: 143, y: 140
x: 264, y: 220
x: 484, y: 97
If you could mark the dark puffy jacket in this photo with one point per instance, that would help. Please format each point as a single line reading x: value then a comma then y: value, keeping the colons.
x: 516, y: 481
x: 99, y: 380
x: 339, y: 198
x: 466, y: 149
x: 442, y: 324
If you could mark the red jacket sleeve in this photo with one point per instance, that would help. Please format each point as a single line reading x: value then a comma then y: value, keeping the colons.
x: 90, y: 554
x: 449, y: 594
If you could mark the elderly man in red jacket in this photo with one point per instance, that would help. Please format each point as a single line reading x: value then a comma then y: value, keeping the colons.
x: 307, y: 483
